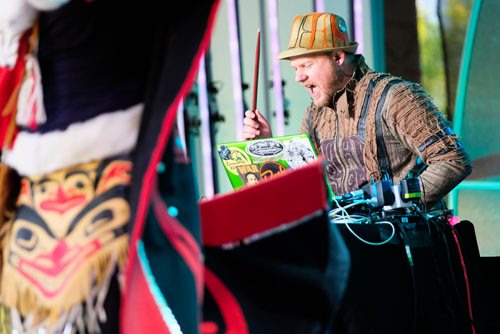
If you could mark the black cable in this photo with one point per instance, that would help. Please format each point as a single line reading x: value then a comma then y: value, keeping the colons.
x: 450, y: 264
x: 423, y: 199
x: 437, y: 267
x: 448, y: 256
x: 409, y: 256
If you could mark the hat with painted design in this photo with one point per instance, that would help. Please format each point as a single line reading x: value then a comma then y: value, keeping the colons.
x: 318, y: 33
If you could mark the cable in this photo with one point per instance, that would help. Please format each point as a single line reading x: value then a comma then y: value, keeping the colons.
x: 346, y: 218
x: 354, y: 219
x: 393, y: 232
x: 437, y: 267
x: 448, y: 257
x: 442, y: 234
x: 424, y: 201
x: 409, y: 256
x: 466, y: 278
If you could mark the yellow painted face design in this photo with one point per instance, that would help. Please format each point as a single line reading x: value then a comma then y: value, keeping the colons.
x: 65, y: 221
x: 60, y: 196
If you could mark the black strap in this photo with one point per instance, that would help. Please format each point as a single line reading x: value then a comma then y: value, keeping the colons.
x: 382, y: 155
x: 431, y: 140
x: 364, y: 111
x: 366, y: 104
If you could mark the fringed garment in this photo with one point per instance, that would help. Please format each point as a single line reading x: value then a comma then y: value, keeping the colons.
x: 65, y: 243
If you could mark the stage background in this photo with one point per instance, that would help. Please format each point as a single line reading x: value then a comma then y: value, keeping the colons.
x: 213, y: 112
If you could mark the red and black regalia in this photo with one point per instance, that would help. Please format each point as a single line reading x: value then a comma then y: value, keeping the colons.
x: 89, y: 93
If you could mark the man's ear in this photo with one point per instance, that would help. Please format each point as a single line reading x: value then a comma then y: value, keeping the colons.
x: 339, y: 57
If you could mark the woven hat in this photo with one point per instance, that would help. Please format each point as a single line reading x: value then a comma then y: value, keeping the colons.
x: 317, y: 33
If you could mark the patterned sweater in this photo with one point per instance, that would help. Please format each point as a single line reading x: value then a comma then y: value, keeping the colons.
x: 380, y: 124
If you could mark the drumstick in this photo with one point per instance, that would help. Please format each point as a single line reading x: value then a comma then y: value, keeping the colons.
x: 256, y: 72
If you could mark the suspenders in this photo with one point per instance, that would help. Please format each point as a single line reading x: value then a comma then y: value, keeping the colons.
x: 364, y: 108
x: 382, y: 156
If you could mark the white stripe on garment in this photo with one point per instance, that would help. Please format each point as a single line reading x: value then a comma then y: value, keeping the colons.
x: 106, y: 135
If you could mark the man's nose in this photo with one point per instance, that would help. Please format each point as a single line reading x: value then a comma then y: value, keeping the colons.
x: 300, y: 76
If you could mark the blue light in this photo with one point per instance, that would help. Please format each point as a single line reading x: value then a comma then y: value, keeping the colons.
x: 161, y: 168
x: 173, y: 211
